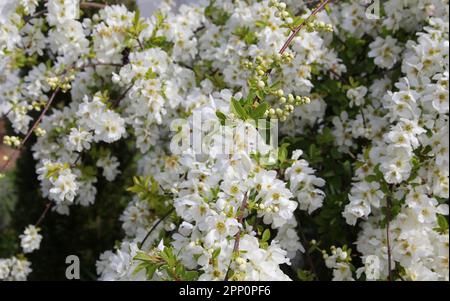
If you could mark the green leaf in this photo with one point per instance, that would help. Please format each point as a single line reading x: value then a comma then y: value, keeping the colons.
x: 142, y: 256
x: 266, y: 235
x: 372, y: 178
x: 259, y: 111
x: 283, y: 152
x: 190, y: 275
x: 259, y: 23
x: 167, y: 255
x: 305, y: 275
x: 137, y: 16
x: 216, y: 253
x: 221, y: 117
x: 151, y: 269
x: 140, y: 267
x: 326, y: 137
x: 442, y: 222
x: 238, y: 110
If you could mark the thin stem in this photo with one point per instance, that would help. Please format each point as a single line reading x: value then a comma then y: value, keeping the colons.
x: 388, y: 221
x: 121, y: 97
x: 103, y: 64
x: 35, y: 125
x: 237, y: 237
x: 361, y: 111
x: 44, y: 214
x: 140, y: 43
x: 308, y: 256
x: 297, y: 30
x: 82, y: 5
x: 156, y: 225
x: 341, y: 78
x: 92, y: 5
x: 36, y: 15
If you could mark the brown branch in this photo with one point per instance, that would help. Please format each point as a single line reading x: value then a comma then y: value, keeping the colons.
x: 340, y: 77
x: 156, y: 225
x: 82, y: 5
x: 36, y: 15
x: 28, y: 135
x: 116, y: 102
x: 92, y: 5
x: 388, y: 221
x: 44, y: 214
x: 93, y: 65
x: 297, y: 30
x: 237, y: 237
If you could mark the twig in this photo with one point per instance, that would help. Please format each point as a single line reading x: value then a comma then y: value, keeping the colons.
x: 297, y: 30
x: 361, y: 111
x: 36, y: 15
x: 82, y: 5
x: 156, y: 225
x: 237, y: 237
x: 341, y: 78
x: 92, y: 5
x: 388, y: 221
x: 122, y: 96
x: 35, y: 125
x: 308, y: 256
x: 44, y: 214
x: 103, y: 64
x: 140, y: 43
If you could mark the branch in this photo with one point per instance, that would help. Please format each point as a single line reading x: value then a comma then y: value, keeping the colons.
x: 82, y: 5
x: 156, y: 225
x: 388, y: 221
x: 237, y: 237
x: 92, y: 5
x: 44, y: 214
x: 35, y: 125
x: 116, y: 102
x: 297, y: 30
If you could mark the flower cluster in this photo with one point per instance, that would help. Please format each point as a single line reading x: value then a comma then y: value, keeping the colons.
x: 30, y: 239
x: 14, y: 269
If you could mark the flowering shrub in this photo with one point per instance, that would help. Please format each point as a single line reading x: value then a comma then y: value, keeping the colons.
x: 360, y: 104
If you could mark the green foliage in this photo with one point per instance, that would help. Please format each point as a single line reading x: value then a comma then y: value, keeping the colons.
x: 216, y: 15
x: 442, y: 223
x: 305, y: 275
x: 166, y: 262
x: 147, y: 189
x: 246, y: 34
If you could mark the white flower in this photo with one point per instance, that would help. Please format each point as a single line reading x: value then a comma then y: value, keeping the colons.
x: 79, y: 139
x: 30, y: 239
x: 29, y: 6
x: 385, y: 51
x: 110, y: 165
x: 64, y: 187
x: 356, y: 96
x: 60, y: 11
